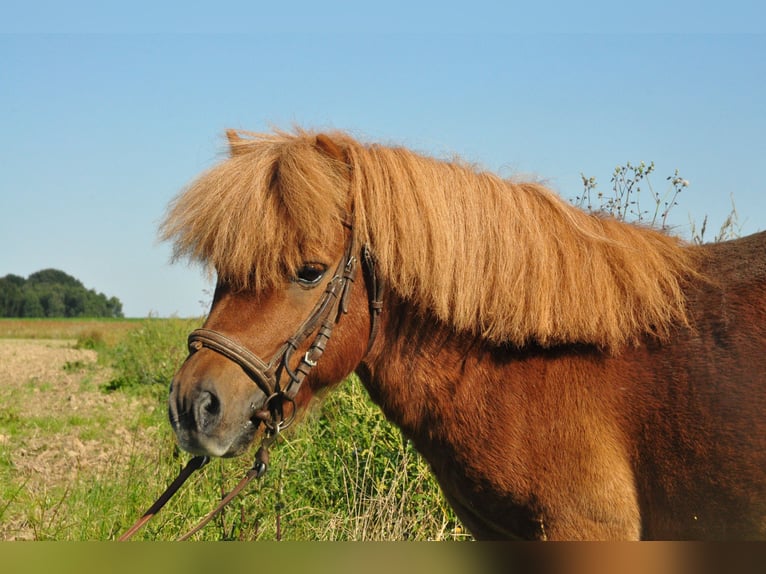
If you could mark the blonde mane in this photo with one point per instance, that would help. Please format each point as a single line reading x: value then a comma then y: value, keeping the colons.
x: 510, y: 262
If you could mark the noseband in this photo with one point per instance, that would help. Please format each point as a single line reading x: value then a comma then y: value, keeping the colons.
x: 267, y: 375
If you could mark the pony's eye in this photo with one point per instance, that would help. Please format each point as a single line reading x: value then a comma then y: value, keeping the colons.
x: 310, y: 274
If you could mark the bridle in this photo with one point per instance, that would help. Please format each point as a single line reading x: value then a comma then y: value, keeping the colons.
x: 268, y: 375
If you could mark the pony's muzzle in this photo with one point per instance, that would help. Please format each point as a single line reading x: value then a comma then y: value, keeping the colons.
x: 209, y: 422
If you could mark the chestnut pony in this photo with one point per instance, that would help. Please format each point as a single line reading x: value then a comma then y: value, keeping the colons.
x: 566, y: 375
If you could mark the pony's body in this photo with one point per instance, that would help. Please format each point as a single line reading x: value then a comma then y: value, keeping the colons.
x: 660, y: 441
x: 566, y: 376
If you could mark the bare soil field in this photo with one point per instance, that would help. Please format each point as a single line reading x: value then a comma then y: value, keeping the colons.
x: 57, y: 425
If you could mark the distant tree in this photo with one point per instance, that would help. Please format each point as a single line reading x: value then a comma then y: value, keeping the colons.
x: 52, y: 302
x: 12, y: 296
x: 32, y: 306
x: 114, y: 307
x: 53, y: 276
x: 53, y: 293
x: 16, y: 280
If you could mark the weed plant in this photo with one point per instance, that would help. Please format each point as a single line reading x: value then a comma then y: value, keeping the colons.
x: 633, y: 197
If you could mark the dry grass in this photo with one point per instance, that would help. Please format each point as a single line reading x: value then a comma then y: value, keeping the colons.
x: 106, y: 331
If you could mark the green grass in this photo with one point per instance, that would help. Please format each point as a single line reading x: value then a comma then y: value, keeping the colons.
x: 150, y: 353
x: 343, y: 473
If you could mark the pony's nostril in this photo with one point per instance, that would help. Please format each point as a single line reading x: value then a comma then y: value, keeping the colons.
x: 208, y: 410
x: 213, y: 405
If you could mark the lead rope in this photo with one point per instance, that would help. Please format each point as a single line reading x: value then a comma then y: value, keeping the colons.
x: 194, y: 464
x: 258, y: 470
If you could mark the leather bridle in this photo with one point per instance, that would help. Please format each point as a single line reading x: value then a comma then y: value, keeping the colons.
x: 267, y: 375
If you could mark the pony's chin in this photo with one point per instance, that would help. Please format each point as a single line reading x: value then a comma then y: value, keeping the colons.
x: 210, y: 447
x: 238, y: 449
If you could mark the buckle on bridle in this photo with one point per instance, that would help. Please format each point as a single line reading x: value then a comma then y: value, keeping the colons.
x: 308, y: 360
x: 272, y: 414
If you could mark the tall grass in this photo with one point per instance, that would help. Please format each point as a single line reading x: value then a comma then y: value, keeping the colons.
x: 149, y: 354
x: 343, y: 473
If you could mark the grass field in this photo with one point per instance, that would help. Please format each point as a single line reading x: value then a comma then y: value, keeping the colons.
x: 108, y: 331
x: 85, y: 447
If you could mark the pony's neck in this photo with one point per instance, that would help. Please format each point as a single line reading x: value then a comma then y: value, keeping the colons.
x: 415, y: 368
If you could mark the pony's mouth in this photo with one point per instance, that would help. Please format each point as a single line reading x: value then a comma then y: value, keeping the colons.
x: 234, y: 445
x: 244, y: 440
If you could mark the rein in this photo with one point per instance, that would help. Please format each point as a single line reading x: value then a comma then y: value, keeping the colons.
x: 268, y: 375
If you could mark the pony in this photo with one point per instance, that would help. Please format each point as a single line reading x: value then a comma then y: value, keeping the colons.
x: 566, y: 375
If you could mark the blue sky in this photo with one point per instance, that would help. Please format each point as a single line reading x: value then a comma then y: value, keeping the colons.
x: 105, y: 114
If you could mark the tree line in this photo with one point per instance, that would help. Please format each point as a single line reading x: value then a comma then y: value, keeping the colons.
x: 53, y: 293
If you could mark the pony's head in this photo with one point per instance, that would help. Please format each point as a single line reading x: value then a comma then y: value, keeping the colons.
x: 274, y: 222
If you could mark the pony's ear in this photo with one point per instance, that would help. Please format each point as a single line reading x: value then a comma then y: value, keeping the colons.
x: 326, y: 145
x: 236, y: 143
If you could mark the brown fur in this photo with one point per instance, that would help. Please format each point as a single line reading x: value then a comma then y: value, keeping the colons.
x: 531, y: 427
